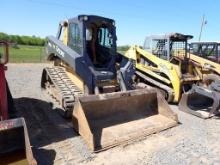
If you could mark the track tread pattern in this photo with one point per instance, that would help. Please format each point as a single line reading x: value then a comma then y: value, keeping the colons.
x: 57, y: 78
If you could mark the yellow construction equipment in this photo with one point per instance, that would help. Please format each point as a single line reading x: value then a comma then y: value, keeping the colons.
x: 158, y: 67
x: 164, y: 63
x: 206, y: 56
x: 94, y: 85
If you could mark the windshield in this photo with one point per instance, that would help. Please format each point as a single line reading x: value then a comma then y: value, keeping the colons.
x: 100, y: 43
x: 105, y: 37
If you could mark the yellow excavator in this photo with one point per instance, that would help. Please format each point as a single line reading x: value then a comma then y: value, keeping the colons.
x: 93, y: 85
x: 164, y: 63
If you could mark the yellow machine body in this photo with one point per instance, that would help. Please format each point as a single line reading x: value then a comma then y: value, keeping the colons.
x: 162, y: 70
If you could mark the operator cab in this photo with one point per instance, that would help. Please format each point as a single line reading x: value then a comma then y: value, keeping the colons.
x: 171, y: 47
x: 168, y: 45
x: 100, y: 41
x: 91, y: 36
x: 207, y: 50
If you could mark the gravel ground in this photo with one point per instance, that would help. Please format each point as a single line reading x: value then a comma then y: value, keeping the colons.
x: 193, y: 141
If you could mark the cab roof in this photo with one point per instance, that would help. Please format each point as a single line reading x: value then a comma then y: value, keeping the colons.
x: 84, y: 17
x: 173, y: 36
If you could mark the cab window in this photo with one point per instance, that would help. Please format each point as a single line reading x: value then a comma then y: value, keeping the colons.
x: 75, y: 41
x: 159, y: 48
x: 105, y: 38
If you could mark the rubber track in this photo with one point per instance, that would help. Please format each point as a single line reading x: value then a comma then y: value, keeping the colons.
x: 58, y: 78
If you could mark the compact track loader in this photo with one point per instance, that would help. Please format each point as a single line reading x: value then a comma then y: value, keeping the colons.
x: 14, y: 141
x: 164, y: 63
x: 94, y: 85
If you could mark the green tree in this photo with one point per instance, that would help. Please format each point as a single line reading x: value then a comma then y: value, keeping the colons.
x: 23, y: 40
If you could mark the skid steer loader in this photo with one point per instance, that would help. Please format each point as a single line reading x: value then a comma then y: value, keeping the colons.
x: 206, y: 56
x: 164, y: 63
x: 94, y: 84
x: 14, y: 141
x: 207, y: 50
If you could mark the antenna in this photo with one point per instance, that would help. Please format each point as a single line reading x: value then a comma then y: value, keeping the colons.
x: 204, y: 22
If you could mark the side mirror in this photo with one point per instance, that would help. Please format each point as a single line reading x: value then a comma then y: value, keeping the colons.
x: 3, y: 52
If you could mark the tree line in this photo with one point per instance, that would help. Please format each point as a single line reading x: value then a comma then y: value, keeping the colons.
x: 36, y: 41
x: 22, y: 40
x: 123, y: 48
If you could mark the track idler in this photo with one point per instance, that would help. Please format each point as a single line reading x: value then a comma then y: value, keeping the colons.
x: 201, y: 101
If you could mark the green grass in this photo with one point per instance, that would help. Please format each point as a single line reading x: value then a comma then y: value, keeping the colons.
x: 122, y: 52
x: 27, y: 54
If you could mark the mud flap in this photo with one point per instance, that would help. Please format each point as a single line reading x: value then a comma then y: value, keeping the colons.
x: 107, y: 120
x: 14, y: 143
x: 200, y: 101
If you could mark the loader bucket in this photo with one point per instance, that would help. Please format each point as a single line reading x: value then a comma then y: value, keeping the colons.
x: 107, y: 120
x: 14, y: 143
x: 201, y: 102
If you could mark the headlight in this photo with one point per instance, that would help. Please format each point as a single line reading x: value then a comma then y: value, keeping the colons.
x: 85, y: 18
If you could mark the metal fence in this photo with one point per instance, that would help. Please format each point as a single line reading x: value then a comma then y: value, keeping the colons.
x: 27, y: 54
